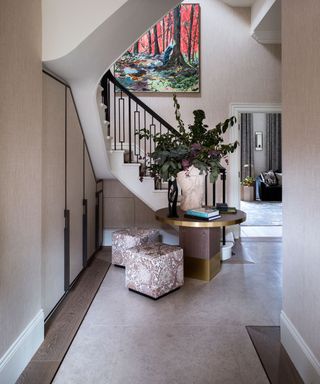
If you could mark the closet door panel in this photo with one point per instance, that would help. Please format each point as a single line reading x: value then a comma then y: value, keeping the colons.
x: 53, y: 192
x: 101, y: 226
x: 100, y: 222
x: 74, y: 187
x: 90, y: 195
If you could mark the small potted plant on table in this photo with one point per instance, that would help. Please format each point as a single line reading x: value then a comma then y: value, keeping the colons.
x: 247, y: 189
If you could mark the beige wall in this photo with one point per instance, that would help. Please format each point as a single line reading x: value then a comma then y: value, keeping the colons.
x: 301, y: 168
x: 20, y: 166
x: 234, y: 67
x: 122, y: 209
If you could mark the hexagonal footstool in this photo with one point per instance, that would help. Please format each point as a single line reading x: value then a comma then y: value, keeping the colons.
x: 128, y: 238
x: 155, y: 269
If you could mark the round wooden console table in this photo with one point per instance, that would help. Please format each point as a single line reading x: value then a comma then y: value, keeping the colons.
x: 200, y: 241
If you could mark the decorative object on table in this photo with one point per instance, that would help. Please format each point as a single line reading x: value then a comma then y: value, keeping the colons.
x: 167, y: 57
x: 247, y: 189
x: 127, y: 238
x: 154, y: 269
x: 225, y: 209
x: 228, y: 211
x: 197, y: 151
x: 172, y: 197
x: 205, y: 213
x: 221, y: 206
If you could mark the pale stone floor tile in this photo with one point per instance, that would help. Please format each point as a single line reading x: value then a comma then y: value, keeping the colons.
x: 262, y: 212
x: 161, y: 354
x: 261, y: 231
x: 195, y: 335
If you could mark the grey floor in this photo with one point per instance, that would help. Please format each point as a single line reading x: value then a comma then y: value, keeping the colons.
x: 262, y: 213
x: 261, y: 231
x: 195, y: 335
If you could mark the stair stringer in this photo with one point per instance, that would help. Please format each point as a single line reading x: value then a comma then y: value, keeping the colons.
x: 128, y: 175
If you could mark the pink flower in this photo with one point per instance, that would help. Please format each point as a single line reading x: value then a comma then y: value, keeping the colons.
x: 185, y: 163
x: 196, y: 146
x: 214, y: 153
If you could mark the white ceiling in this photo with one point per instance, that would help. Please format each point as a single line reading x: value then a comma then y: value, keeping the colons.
x: 265, y: 19
x: 239, y: 3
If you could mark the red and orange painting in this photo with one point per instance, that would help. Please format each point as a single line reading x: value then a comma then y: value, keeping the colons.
x: 167, y: 57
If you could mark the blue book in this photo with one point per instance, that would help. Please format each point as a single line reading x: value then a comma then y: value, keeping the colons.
x: 202, y: 218
x: 203, y: 212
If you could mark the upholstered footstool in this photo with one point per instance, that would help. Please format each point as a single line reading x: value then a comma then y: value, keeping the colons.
x: 128, y: 238
x: 154, y: 269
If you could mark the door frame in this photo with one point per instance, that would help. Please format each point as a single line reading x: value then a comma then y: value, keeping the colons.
x: 233, y: 189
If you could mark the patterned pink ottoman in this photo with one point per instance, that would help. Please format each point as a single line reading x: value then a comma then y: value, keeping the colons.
x: 154, y: 269
x: 128, y: 238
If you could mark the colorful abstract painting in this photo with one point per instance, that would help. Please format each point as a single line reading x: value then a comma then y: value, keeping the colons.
x: 167, y: 57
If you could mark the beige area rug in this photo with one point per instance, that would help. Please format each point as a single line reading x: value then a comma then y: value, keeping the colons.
x: 239, y: 255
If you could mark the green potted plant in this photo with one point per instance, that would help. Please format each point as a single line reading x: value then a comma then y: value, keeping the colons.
x: 247, y: 188
x: 196, y: 147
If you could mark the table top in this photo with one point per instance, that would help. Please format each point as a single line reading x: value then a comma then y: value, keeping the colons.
x: 224, y: 221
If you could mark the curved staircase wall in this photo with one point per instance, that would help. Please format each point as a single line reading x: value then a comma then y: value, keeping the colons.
x: 60, y: 38
x: 84, y: 66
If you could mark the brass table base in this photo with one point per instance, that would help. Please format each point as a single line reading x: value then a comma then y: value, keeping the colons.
x: 200, y: 241
x: 202, y: 269
x: 201, y: 252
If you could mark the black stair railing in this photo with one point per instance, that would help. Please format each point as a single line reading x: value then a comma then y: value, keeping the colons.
x: 126, y: 115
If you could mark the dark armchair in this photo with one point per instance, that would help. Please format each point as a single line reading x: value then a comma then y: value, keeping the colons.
x: 266, y: 192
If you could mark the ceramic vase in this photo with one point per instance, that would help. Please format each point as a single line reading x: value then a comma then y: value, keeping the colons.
x: 192, y: 185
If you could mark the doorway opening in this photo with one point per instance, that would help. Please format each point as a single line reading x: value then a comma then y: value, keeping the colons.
x: 257, y: 170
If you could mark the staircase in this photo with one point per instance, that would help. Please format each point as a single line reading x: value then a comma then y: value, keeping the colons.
x: 124, y: 116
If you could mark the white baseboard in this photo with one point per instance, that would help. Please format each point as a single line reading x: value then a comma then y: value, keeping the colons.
x: 17, y: 357
x: 301, y: 355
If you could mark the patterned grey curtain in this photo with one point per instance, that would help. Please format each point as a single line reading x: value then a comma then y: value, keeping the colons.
x: 247, y: 145
x: 273, y: 141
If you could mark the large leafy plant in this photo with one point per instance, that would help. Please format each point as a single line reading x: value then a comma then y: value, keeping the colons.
x: 196, y: 145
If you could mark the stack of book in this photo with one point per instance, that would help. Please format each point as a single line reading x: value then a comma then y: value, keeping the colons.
x: 225, y: 209
x: 206, y: 214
